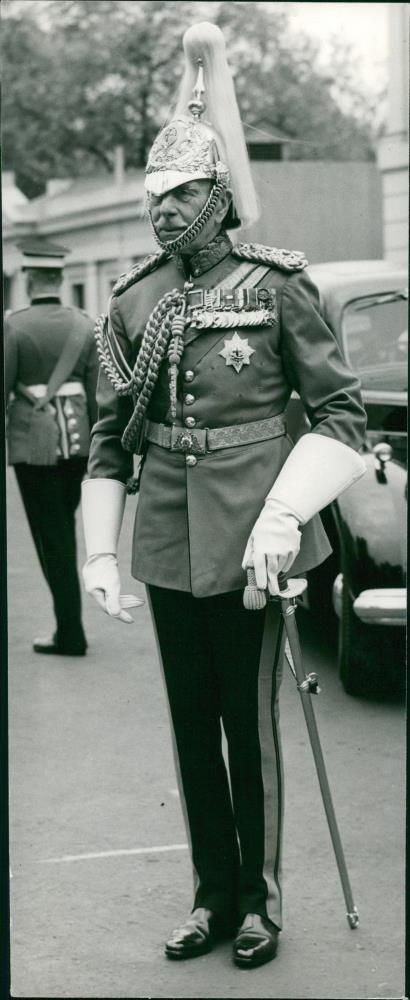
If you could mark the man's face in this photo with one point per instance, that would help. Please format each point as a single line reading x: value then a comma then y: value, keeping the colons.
x: 174, y: 211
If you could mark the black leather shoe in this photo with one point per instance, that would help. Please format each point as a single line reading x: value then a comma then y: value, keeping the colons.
x: 256, y: 942
x: 198, y: 935
x: 53, y: 648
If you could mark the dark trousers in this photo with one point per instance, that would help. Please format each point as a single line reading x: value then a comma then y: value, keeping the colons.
x: 51, y: 494
x: 223, y: 663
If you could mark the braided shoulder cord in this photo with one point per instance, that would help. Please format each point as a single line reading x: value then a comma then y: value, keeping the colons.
x: 112, y: 361
x: 117, y: 375
x: 175, y: 352
x: 152, y: 335
x: 157, y: 336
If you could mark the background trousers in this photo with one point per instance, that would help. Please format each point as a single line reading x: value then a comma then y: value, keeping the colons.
x: 224, y: 663
x: 51, y: 494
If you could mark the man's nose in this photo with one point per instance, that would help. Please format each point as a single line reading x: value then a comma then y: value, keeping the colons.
x: 167, y: 206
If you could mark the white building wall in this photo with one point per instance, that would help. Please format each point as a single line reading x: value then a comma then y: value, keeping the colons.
x: 393, y: 153
x: 331, y: 211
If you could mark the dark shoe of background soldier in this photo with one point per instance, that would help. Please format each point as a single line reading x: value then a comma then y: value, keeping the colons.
x: 256, y: 942
x: 52, y: 647
x: 198, y: 935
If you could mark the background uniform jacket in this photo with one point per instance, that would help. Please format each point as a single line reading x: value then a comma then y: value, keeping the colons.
x: 34, y: 340
x: 193, y: 523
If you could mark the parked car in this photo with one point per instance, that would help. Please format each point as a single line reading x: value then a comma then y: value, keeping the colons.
x: 364, y: 303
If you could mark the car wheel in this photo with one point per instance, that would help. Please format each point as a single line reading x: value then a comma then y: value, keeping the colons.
x: 371, y: 658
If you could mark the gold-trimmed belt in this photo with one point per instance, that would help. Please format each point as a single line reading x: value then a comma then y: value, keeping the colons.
x: 205, y: 439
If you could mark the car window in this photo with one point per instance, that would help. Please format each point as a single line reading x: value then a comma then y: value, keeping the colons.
x: 375, y: 339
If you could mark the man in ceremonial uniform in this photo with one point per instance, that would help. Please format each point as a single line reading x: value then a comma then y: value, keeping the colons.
x: 51, y: 374
x: 203, y: 344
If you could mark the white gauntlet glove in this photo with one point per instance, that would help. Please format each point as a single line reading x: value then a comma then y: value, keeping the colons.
x: 273, y: 545
x: 317, y: 471
x: 103, y: 502
x: 102, y: 581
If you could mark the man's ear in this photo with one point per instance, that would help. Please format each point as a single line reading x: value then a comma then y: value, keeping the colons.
x: 230, y: 219
x: 225, y: 200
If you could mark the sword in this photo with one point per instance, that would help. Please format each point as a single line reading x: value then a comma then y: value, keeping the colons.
x: 307, y: 685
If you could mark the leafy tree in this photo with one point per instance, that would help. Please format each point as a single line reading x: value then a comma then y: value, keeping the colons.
x: 277, y: 80
x: 81, y: 78
x: 30, y: 143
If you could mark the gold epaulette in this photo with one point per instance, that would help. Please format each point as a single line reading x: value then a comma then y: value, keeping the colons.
x: 286, y: 260
x: 139, y: 271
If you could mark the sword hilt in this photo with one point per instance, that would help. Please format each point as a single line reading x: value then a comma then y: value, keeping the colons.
x: 255, y: 599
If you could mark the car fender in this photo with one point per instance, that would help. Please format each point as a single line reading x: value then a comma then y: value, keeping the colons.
x: 371, y: 524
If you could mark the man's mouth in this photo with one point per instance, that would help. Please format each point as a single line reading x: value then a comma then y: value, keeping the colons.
x: 168, y: 232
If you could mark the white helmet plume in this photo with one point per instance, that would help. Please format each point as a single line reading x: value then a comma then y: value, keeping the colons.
x: 205, y: 42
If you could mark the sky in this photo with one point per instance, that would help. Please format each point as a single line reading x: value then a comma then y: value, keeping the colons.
x: 363, y: 25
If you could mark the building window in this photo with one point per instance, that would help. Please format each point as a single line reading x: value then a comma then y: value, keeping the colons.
x: 78, y: 297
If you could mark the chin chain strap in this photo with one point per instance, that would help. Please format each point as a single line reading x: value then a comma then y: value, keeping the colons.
x: 196, y: 227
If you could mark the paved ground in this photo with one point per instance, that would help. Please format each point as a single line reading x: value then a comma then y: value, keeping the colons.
x: 98, y: 848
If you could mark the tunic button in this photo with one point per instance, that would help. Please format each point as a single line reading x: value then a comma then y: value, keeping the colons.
x: 189, y: 399
x: 191, y: 461
x: 190, y: 421
x: 189, y: 376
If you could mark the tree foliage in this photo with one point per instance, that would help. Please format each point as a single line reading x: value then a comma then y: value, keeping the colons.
x: 80, y: 78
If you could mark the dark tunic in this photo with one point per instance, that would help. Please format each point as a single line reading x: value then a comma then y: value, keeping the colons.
x: 34, y: 340
x: 193, y: 522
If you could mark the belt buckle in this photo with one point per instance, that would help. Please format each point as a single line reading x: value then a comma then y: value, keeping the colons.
x: 186, y: 440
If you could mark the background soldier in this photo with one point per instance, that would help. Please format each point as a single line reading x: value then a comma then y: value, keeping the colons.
x: 51, y: 370
x: 201, y: 350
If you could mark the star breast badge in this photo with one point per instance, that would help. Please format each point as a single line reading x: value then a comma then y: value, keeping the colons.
x: 237, y: 352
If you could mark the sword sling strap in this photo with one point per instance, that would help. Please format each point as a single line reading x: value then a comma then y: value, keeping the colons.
x: 245, y: 276
x: 44, y: 433
x: 66, y: 362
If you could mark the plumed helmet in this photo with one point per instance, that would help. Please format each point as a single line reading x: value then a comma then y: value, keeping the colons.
x: 193, y: 147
